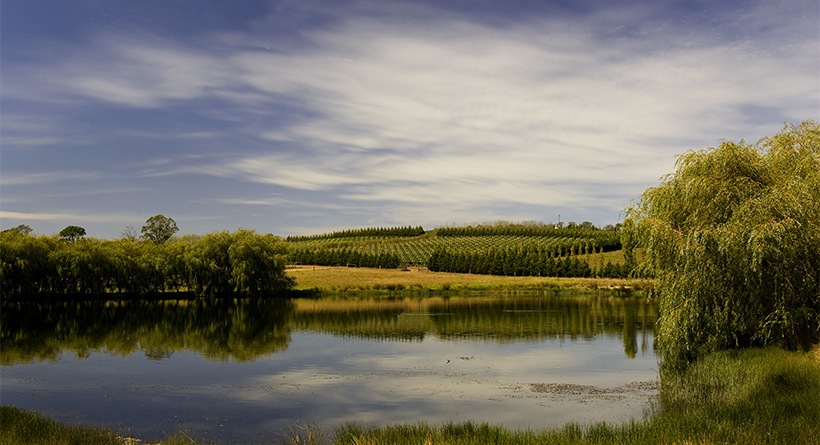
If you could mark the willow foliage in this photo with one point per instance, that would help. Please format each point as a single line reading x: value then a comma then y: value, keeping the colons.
x: 733, y: 238
x: 244, y: 262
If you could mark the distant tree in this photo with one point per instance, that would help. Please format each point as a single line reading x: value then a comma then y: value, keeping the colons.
x: 22, y: 228
x: 72, y: 233
x: 129, y: 232
x: 159, y: 229
x: 586, y: 225
x: 732, y: 237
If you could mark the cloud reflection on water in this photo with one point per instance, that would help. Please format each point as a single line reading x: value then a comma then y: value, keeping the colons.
x: 517, y: 361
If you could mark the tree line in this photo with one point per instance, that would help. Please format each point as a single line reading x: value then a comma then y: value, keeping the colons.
x: 607, y: 239
x: 521, y: 261
x: 406, y: 231
x: 243, y: 262
x: 342, y: 257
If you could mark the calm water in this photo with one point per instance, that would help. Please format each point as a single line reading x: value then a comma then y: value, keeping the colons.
x: 249, y: 370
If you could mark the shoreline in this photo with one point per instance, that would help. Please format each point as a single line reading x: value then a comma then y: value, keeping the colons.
x: 320, y: 281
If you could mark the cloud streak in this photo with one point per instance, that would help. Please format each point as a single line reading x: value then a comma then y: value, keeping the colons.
x: 424, y: 107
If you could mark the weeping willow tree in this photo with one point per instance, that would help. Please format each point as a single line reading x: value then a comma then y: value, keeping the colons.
x: 220, y: 263
x: 733, y: 238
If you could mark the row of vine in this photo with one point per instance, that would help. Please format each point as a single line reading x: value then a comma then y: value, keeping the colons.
x: 406, y: 231
x: 523, y: 261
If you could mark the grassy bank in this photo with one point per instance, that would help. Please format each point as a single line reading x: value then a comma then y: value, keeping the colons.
x: 18, y: 427
x: 754, y: 396
x: 342, y: 279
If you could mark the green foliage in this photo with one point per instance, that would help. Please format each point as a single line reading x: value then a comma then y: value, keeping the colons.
x: 469, y: 240
x: 72, y: 233
x: 392, y: 232
x: 732, y: 237
x: 341, y: 257
x: 159, y: 229
x: 244, y: 262
x: 18, y: 427
x: 25, y: 264
x: 606, y: 239
x: 516, y: 261
x: 22, y: 228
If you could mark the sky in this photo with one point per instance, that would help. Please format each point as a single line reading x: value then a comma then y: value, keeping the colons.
x: 309, y: 116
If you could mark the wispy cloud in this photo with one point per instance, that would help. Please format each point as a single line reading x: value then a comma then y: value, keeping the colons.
x: 13, y: 179
x: 36, y: 216
x: 67, y: 217
x: 428, y: 109
x: 466, y: 102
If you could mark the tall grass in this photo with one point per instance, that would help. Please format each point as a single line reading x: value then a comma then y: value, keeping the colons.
x: 22, y: 427
x: 18, y: 427
x: 752, y: 395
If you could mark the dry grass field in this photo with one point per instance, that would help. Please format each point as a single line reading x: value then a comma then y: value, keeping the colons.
x: 342, y: 279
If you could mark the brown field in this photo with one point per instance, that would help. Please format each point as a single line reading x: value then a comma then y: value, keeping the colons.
x: 361, y: 278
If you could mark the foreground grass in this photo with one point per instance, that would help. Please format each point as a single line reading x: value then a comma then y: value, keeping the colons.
x: 754, y: 396
x: 343, y: 279
x: 21, y: 427
x: 18, y: 427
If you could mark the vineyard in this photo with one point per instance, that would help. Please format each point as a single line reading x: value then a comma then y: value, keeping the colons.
x: 479, y: 244
x: 419, y: 250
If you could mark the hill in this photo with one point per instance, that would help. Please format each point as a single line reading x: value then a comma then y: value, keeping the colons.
x: 498, y: 249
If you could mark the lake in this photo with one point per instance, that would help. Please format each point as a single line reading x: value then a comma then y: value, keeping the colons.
x: 240, y: 371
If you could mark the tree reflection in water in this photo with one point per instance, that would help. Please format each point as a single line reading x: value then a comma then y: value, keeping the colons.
x: 245, y: 329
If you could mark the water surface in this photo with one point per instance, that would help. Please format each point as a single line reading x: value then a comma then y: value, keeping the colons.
x: 248, y: 370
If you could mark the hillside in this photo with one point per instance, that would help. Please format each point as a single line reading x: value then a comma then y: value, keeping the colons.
x: 485, y: 249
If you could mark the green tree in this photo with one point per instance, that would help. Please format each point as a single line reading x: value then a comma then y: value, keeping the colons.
x: 258, y: 263
x: 587, y: 225
x: 732, y: 237
x: 159, y: 229
x: 22, y: 228
x: 72, y: 233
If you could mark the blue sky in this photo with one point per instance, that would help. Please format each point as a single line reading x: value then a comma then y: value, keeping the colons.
x: 302, y: 117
